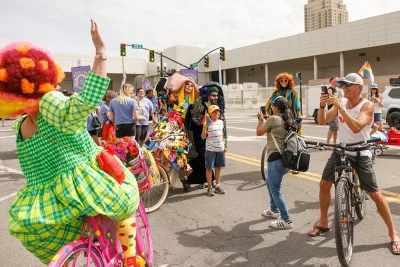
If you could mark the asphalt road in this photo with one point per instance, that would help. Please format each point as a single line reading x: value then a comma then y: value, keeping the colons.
x: 191, y: 229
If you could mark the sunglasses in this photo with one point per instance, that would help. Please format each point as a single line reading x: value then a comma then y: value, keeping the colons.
x: 283, y: 81
x: 214, y: 95
x: 348, y: 85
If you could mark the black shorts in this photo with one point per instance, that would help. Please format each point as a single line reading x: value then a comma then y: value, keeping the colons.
x: 123, y: 130
x: 93, y: 132
x: 141, y: 132
x: 363, y: 168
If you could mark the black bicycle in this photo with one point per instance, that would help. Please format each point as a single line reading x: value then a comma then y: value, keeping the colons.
x: 350, y: 199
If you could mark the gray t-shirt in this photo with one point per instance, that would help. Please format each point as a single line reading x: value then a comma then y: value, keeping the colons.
x: 276, y: 126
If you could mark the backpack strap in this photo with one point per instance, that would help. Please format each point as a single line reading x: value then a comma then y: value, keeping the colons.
x: 276, y: 144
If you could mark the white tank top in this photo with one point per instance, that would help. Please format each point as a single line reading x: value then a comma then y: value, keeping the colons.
x: 346, y: 135
x: 377, y: 108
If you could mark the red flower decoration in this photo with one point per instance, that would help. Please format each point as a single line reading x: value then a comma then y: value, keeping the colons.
x: 174, y: 116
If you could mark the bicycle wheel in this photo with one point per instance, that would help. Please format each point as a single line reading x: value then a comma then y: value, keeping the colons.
x: 154, y: 198
x: 144, y: 243
x: 361, y: 198
x: 344, y: 228
x: 264, y: 163
x: 77, y: 257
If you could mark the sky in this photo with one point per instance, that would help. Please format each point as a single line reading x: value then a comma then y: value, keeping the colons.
x: 64, y: 26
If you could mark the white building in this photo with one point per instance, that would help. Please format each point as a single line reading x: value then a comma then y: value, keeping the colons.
x: 320, y: 14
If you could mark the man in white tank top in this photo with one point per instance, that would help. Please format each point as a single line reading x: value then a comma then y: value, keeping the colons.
x: 355, y: 116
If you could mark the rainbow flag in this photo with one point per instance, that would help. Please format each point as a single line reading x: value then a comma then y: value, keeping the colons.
x: 206, y: 120
x: 366, y: 72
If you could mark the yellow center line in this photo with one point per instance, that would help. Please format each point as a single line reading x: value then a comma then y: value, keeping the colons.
x: 304, y: 175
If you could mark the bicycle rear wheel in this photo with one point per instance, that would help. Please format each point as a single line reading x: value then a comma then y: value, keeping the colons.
x: 344, y: 227
x: 154, y: 198
x: 361, y: 198
x: 78, y: 256
x: 144, y: 243
x: 264, y: 163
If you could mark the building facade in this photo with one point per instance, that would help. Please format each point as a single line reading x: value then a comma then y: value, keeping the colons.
x: 320, y: 14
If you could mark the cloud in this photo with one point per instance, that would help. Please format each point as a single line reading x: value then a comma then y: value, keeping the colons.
x: 63, y: 26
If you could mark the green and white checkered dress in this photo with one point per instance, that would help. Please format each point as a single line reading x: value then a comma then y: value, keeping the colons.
x: 62, y: 184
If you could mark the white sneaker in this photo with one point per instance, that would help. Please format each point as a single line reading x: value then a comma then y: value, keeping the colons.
x: 281, y: 224
x: 269, y: 213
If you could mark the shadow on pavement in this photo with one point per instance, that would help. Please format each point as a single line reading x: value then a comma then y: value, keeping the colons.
x: 7, y: 155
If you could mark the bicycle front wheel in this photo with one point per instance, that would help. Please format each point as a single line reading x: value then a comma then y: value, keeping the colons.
x: 144, y: 243
x: 78, y: 256
x: 264, y: 163
x: 344, y: 227
x: 361, y: 199
x: 154, y: 198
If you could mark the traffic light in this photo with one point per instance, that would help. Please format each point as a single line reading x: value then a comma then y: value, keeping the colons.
x: 222, y: 53
x: 151, y: 56
x: 206, y: 62
x: 122, y: 50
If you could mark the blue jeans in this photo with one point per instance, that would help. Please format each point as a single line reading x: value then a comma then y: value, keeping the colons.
x: 276, y: 171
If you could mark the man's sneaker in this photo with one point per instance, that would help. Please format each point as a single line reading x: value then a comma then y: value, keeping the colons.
x: 219, y: 190
x: 210, y: 192
x: 202, y: 186
x: 269, y: 213
x: 281, y: 224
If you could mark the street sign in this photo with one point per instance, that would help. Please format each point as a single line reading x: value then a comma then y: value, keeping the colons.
x: 137, y: 46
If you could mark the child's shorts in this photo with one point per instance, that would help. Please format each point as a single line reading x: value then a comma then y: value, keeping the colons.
x: 214, y: 159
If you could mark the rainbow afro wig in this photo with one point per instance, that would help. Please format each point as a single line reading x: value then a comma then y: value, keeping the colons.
x: 26, y: 74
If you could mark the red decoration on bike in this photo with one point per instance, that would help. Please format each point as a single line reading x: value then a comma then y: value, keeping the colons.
x: 111, y: 166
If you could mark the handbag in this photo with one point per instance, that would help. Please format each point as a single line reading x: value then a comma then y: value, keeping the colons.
x: 95, y: 122
x: 192, y: 154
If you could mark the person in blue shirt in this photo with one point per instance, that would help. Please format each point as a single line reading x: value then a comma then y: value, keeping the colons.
x: 145, y: 109
x: 123, y: 113
x: 107, y: 127
x: 92, y: 128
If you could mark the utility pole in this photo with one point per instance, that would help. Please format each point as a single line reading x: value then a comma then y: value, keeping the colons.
x: 298, y: 75
x: 161, y: 66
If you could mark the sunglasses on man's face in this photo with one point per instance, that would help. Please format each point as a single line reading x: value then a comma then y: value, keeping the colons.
x: 283, y: 81
x: 348, y: 85
x: 214, y: 95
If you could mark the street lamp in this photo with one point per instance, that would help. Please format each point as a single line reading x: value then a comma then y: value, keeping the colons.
x: 161, y: 71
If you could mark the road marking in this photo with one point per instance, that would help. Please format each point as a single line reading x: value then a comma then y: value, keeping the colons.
x: 7, y: 197
x: 11, y: 136
x: 251, y: 130
x: 10, y: 130
x: 305, y: 175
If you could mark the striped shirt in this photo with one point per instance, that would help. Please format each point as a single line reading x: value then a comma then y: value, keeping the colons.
x: 215, y: 137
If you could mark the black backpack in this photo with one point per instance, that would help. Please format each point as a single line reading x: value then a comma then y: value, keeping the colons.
x: 295, y: 156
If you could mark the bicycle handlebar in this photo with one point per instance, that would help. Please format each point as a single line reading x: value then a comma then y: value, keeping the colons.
x: 344, y: 145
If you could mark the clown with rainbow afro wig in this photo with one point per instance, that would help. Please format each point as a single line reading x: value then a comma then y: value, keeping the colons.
x: 26, y: 74
x: 58, y: 156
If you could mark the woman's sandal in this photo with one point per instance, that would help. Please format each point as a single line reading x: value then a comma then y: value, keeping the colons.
x: 397, y: 245
x: 320, y: 230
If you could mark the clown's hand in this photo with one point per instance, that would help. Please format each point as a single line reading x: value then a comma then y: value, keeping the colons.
x: 97, y: 39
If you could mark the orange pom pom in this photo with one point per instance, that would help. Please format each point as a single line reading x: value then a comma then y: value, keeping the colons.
x: 27, y: 87
x: 44, y: 64
x: 26, y: 63
x: 60, y: 74
x: 3, y: 75
x: 23, y: 49
x: 45, y: 88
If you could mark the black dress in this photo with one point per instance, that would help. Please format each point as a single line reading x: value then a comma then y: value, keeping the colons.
x: 198, y: 176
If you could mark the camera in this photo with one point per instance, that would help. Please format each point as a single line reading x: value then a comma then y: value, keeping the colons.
x: 324, y: 89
